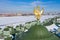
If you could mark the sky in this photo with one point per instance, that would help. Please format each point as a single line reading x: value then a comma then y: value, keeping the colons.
x: 28, y: 5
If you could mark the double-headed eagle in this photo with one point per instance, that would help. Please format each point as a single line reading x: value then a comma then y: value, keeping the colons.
x: 38, y: 12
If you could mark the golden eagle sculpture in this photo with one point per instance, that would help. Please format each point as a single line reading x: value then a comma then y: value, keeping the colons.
x: 38, y: 13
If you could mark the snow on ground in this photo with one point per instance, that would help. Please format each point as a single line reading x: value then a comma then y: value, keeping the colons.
x: 4, y: 21
x: 1, y: 39
x: 52, y: 27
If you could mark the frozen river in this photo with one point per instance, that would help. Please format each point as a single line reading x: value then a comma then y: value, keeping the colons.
x: 4, y: 21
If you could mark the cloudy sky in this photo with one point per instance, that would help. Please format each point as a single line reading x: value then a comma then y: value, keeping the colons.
x: 28, y: 5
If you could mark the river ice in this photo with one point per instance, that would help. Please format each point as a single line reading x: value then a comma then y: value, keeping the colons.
x: 4, y: 21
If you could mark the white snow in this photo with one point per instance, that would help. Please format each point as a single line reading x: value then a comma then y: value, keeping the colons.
x: 51, y: 27
x: 16, y: 20
x: 1, y: 39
